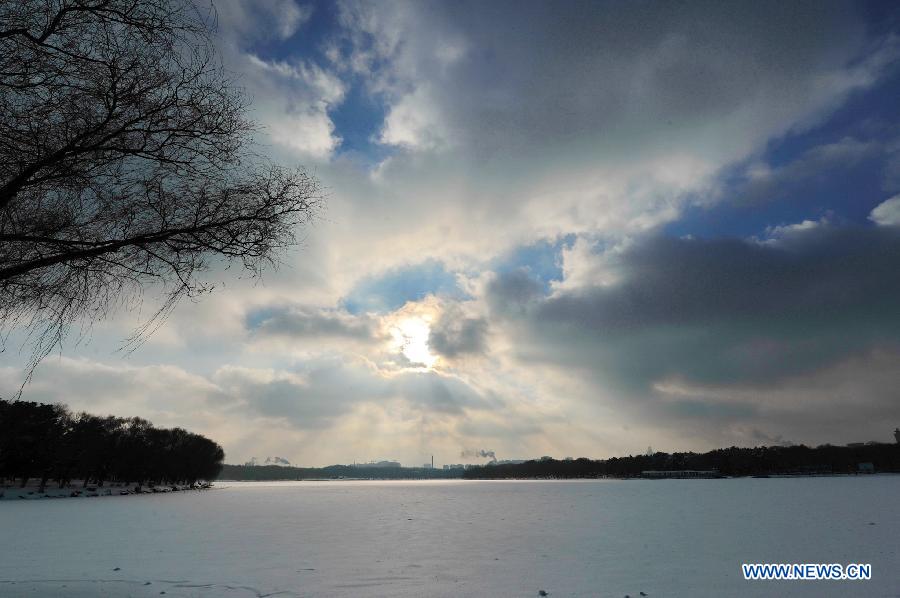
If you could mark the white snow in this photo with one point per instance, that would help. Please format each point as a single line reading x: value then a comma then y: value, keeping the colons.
x: 456, y: 538
x: 32, y: 491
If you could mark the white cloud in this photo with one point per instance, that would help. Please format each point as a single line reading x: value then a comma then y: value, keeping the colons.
x: 887, y: 213
x: 309, y: 91
x: 585, y: 266
x: 530, y: 133
x: 291, y: 16
x: 250, y: 20
x: 307, y: 130
x: 414, y: 123
x: 505, y: 127
x: 776, y: 234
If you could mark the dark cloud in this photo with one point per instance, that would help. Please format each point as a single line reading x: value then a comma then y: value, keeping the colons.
x: 850, y: 401
x: 303, y: 321
x: 454, y: 334
x: 513, y: 291
x: 641, y: 71
x: 308, y: 400
x: 721, y: 311
x: 316, y: 392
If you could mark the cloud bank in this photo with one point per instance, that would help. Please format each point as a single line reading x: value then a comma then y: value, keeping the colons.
x: 567, y: 229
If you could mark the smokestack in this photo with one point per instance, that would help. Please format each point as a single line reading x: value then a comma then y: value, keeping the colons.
x: 432, y: 461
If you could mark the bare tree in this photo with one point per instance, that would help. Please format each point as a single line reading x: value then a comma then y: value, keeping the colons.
x: 125, y: 161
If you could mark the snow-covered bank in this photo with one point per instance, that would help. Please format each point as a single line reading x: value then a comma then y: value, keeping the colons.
x: 77, y: 489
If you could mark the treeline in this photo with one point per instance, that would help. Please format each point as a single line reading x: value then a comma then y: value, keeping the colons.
x: 333, y: 472
x: 734, y: 461
x: 49, y: 443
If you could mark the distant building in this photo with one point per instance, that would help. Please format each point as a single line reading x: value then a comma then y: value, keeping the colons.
x: 449, y: 466
x: 865, y: 467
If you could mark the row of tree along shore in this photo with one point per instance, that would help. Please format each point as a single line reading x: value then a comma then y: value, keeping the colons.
x: 50, y: 443
x: 730, y: 462
x: 334, y: 472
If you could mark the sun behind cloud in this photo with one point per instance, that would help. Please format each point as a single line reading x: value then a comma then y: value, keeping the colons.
x: 410, y: 337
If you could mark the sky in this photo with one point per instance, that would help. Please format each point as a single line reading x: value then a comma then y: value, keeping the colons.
x: 565, y: 229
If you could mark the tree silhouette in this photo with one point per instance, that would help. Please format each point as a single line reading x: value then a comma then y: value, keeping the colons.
x: 126, y: 161
x: 733, y: 461
x: 47, y: 442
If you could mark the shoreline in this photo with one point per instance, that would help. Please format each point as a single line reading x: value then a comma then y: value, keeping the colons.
x: 76, y: 490
x: 564, y: 479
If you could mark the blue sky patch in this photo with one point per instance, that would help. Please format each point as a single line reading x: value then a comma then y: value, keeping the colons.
x: 308, y: 42
x: 394, y: 288
x: 359, y: 116
x: 541, y: 260
x: 358, y: 121
x: 804, y: 183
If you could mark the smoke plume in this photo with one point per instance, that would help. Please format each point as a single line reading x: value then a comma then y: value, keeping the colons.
x: 479, y: 454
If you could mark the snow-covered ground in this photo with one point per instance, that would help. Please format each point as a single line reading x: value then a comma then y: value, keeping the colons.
x: 76, y: 489
x: 456, y: 538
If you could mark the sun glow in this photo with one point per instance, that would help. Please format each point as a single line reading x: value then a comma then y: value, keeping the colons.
x: 411, y: 338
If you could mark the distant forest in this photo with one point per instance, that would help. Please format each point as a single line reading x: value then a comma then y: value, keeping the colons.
x: 49, y: 443
x: 278, y: 472
x: 734, y: 461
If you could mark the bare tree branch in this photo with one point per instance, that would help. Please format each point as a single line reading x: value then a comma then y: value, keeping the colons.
x: 125, y: 161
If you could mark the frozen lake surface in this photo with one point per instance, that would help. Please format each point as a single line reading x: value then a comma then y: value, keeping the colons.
x: 456, y: 538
